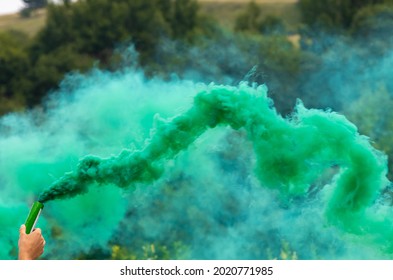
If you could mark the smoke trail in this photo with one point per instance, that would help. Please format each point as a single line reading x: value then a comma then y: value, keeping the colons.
x: 37, y: 147
x: 207, y: 197
x: 290, y: 155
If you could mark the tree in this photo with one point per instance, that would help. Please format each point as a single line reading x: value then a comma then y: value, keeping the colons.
x: 96, y: 27
x: 14, y: 65
x: 271, y: 25
x: 49, y: 70
x: 32, y: 5
x: 90, y: 30
x: 35, y: 4
x: 373, y: 22
x: 184, y: 19
x: 333, y: 14
x: 248, y: 20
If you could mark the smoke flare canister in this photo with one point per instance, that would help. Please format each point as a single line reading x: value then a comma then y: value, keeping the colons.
x: 33, y: 216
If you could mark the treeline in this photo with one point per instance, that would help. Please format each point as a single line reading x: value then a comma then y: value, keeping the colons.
x: 334, y: 62
x: 77, y: 36
x: 349, y: 15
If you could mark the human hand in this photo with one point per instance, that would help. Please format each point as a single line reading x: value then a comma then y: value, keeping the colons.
x: 31, y: 246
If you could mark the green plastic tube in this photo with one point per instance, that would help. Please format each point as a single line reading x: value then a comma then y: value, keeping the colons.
x: 33, y: 216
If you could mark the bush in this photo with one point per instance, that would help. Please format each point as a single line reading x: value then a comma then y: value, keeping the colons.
x: 14, y: 67
x: 333, y: 14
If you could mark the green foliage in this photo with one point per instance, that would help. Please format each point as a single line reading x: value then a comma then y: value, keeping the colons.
x: 35, y: 4
x: 332, y: 14
x: 25, y: 12
x: 287, y: 253
x: 373, y: 22
x: 14, y: 61
x: 272, y: 25
x: 250, y: 20
x: 183, y: 18
x: 76, y: 34
x: 372, y: 27
x: 50, y: 69
x: 55, y: 33
x: 96, y: 27
x: 31, y: 6
x: 150, y: 251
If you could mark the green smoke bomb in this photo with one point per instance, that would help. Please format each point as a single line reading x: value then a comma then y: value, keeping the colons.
x: 33, y: 216
x: 290, y: 155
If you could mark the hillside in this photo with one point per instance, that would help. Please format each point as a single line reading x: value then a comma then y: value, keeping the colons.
x: 29, y: 25
x: 224, y: 11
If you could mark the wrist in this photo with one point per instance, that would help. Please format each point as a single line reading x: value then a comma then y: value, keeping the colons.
x: 24, y: 256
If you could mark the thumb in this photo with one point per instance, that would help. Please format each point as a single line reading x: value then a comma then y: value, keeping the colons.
x: 22, y: 229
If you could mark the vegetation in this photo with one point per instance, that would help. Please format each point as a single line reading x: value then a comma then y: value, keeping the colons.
x: 173, y: 36
x: 14, y: 61
x: 250, y: 20
x: 79, y: 34
x: 226, y: 13
x: 32, y: 6
x: 330, y: 14
x: 36, y: 4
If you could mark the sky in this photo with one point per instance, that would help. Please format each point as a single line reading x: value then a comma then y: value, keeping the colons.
x: 10, y: 6
x: 14, y: 6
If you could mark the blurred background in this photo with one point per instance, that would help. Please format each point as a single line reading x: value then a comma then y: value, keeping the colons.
x: 333, y: 55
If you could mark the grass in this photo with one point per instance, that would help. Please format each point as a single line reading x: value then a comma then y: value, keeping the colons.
x: 30, y: 25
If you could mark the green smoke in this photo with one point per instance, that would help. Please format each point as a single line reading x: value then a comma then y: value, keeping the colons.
x: 38, y: 147
x: 290, y: 155
x: 214, y: 167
